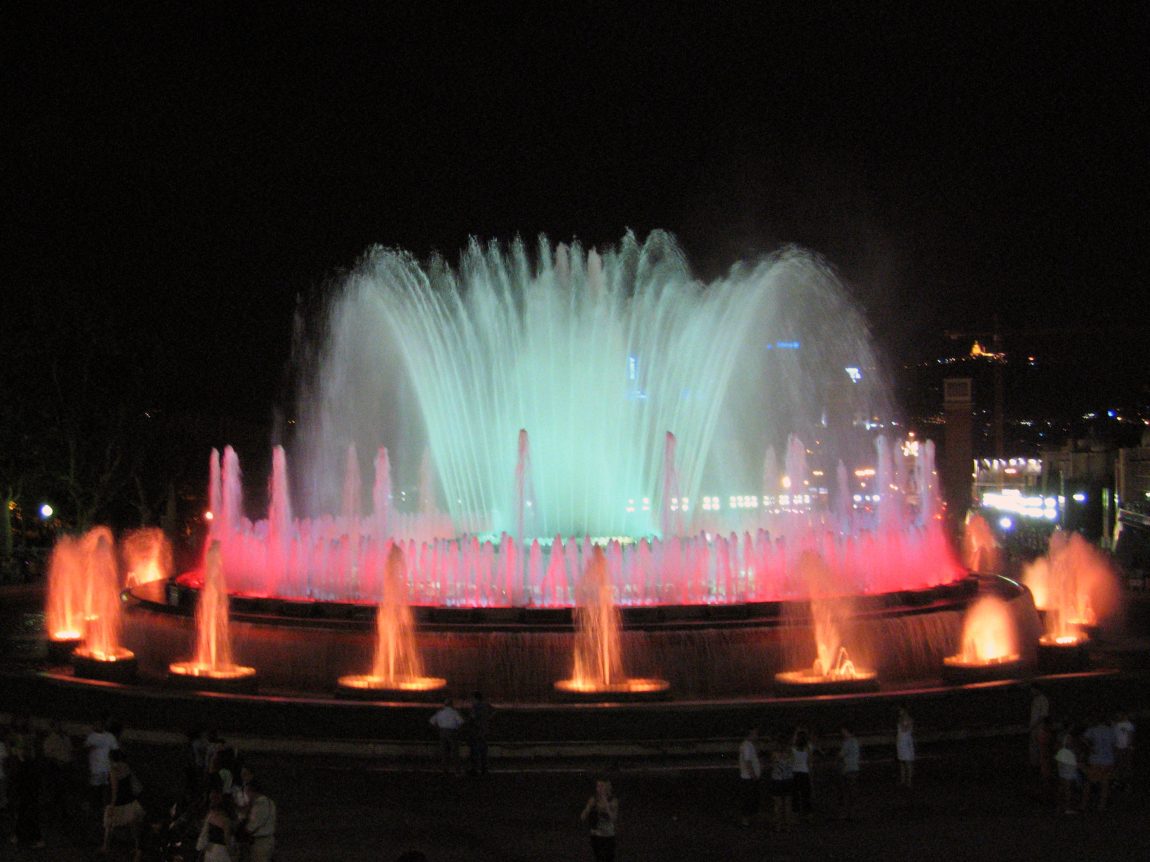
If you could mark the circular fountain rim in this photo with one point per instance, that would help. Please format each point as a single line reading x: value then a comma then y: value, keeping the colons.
x: 175, y: 596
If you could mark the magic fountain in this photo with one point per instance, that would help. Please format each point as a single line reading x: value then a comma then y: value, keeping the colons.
x: 990, y: 644
x: 213, y: 666
x: 576, y: 442
x: 397, y: 668
x: 598, y: 650
x: 1075, y: 589
x: 833, y: 671
x: 100, y: 656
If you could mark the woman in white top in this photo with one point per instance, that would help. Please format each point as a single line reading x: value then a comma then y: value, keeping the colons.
x: 904, y: 748
x: 801, y: 787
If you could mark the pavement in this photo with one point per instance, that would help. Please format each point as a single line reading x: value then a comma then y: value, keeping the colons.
x: 974, y: 799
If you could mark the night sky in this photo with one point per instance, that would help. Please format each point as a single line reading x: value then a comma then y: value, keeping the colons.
x: 177, y: 174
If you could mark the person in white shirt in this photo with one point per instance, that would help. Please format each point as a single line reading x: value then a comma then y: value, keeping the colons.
x: 750, y: 771
x: 99, y: 745
x: 260, y: 823
x: 447, y: 721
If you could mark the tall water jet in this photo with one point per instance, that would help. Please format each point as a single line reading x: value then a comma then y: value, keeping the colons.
x: 65, y: 608
x: 397, y: 667
x: 598, y: 653
x: 213, y: 667
x: 989, y: 648
x: 101, y: 656
x: 833, y: 670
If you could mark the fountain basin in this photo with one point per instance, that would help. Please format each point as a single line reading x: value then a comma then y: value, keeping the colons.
x: 118, y: 665
x: 411, y: 689
x: 806, y: 683
x: 1063, y: 654
x: 633, y: 690
x: 60, y: 648
x: 957, y: 670
x: 234, y: 679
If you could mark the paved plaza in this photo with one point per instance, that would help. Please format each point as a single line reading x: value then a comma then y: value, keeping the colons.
x: 974, y: 800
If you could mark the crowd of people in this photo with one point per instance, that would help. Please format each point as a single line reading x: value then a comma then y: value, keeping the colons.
x: 88, y: 783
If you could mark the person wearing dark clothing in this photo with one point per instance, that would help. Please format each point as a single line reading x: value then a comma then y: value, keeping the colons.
x: 478, y: 726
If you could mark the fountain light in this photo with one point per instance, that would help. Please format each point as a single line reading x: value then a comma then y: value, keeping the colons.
x: 598, y: 672
x: 397, y: 667
x: 833, y: 671
x: 989, y: 648
x: 101, y: 656
x: 213, y: 667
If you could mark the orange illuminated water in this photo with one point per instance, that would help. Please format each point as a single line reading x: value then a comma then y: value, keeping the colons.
x: 989, y: 635
x: 598, y: 648
x: 65, y: 610
x: 397, y: 663
x: 147, y: 556
x: 979, y: 546
x: 213, y: 640
x: 1075, y: 585
x: 83, y: 601
x: 829, y: 612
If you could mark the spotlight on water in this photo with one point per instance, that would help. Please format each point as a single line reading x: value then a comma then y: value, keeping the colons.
x: 989, y: 648
x: 599, y: 672
x: 213, y: 667
x: 101, y: 656
x: 833, y: 671
x: 397, y: 668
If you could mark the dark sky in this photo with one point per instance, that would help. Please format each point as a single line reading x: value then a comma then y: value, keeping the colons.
x: 179, y: 173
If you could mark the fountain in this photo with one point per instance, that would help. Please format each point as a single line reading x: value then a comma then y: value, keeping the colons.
x: 213, y: 668
x: 989, y: 648
x: 598, y: 673
x: 101, y: 656
x: 833, y: 671
x: 508, y: 421
x: 1075, y: 589
x: 397, y: 669
x: 980, y: 552
x: 147, y: 556
x: 65, y: 610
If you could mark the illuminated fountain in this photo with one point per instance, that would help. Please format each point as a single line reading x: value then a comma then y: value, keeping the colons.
x: 989, y: 648
x: 1075, y: 589
x: 980, y: 552
x: 213, y: 667
x: 833, y: 671
x: 397, y: 668
x: 65, y: 610
x: 147, y: 556
x: 598, y: 672
x: 101, y: 656
x: 509, y: 420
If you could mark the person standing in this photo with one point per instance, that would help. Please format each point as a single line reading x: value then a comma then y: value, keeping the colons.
x: 260, y: 824
x: 750, y: 772
x: 124, y: 808
x: 99, y: 744
x: 904, y: 748
x: 58, y: 764
x: 801, y: 784
x: 25, y: 799
x: 1123, y: 750
x: 782, y: 785
x: 1039, y: 712
x: 215, y: 839
x: 601, y: 813
x: 848, y: 758
x: 478, y: 727
x: 1100, y: 739
x: 447, y: 721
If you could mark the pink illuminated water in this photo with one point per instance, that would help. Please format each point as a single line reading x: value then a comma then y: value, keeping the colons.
x: 896, y: 547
